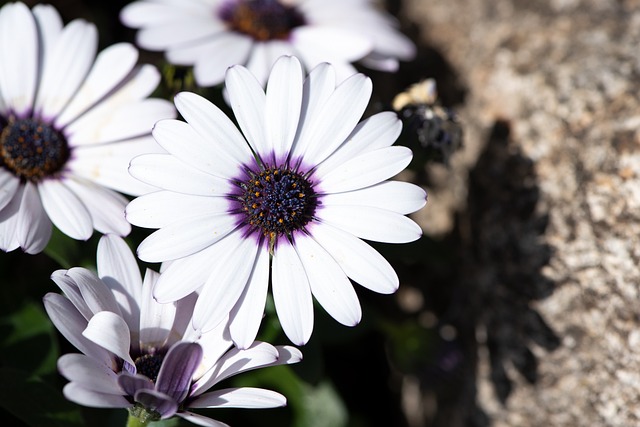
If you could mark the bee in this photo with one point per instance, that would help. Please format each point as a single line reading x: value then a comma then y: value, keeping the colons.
x: 427, y: 123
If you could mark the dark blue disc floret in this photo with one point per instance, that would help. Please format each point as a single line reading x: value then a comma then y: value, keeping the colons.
x: 149, y: 365
x: 277, y: 201
x: 261, y: 19
x: 32, y: 149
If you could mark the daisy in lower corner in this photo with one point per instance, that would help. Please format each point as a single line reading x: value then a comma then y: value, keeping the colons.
x: 145, y: 356
x: 70, y: 121
x: 286, y: 199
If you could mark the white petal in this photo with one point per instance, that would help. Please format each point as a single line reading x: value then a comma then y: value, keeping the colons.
x: 248, y: 102
x: 8, y: 187
x: 397, y: 196
x: 94, y: 291
x: 336, y: 119
x: 178, y: 32
x: 215, y: 343
x: 378, y: 131
x: 248, y: 311
x: 169, y: 173
x: 111, y: 332
x: 369, y: 223
x: 225, y: 50
x: 145, y: 14
x: 213, y: 125
x: 182, y: 141
x: 329, y: 284
x: 358, y: 260
x: 89, y: 373
x: 108, y: 164
x: 292, y: 294
x: 245, y: 397
x: 284, y: 97
x: 324, y: 43
x: 105, y: 206
x: 118, y: 269
x: 49, y: 26
x: 156, y: 320
x: 228, y: 279
x: 65, y: 209
x: 70, y: 289
x: 264, y: 55
x: 161, y: 208
x: 9, y: 216
x: 75, y: 393
x: 18, y: 57
x: 33, y: 228
x: 66, y: 67
x: 365, y: 170
x: 234, y: 362
x: 200, y: 420
x: 111, y: 67
x: 183, y: 238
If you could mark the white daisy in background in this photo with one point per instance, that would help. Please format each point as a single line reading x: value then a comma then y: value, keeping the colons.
x: 70, y: 122
x: 212, y: 35
x: 292, y: 194
x: 142, y: 355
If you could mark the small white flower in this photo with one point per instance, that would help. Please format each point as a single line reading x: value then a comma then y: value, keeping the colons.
x: 145, y: 356
x: 70, y: 122
x: 215, y: 34
x: 290, y: 197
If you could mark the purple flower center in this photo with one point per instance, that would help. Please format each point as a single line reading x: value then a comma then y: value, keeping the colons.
x: 31, y: 149
x: 149, y: 365
x: 261, y: 19
x: 277, y: 201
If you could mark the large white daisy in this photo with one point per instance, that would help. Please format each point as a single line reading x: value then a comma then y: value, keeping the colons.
x: 215, y: 34
x: 70, y: 121
x: 295, y: 191
x: 145, y: 356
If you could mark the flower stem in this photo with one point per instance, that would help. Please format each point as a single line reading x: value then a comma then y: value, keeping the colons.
x: 134, y: 421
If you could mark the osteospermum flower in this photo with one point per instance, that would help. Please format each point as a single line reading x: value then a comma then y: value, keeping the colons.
x: 145, y: 356
x: 215, y: 34
x: 69, y: 124
x: 296, y: 191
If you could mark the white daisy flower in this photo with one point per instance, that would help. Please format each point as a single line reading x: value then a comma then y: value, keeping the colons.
x: 212, y: 35
x: 145, y: 356
x: 292, y: 194
x: 70, y: 122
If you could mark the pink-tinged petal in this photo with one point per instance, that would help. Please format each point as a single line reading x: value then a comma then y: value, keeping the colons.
x: 118, y: 269
x: 248, y: 102
x: 178, y: 367
x: 19, y: 57
x: 336, y: 119
x: 65, y: 209
x: 156, y: 320
x: 8, y: 187
x: 89, y: 373
x: 225, y: 50
x: 94, y: 291
x: 158, y: 402
x: 167, y: 172
x: 111, y: 332
x: 292, y: 294
x: 284, y: 98
x: 111, y: 67
x: 132, y: 383
x: 329, y: 284
x: 378, y: 225
x: 70, y: 289
x: 245, y: 397
x: 367, y: 169
x: 161, y: 208
x: 378, y: 131
x: 396, y: 196
x: 68, y: 320
x: 105, y: 206
x: 80, y: 395
x: 358, y: 260
x: 33, y: 228
x: 247, y: 314
x: 228, y: 278
x: 213, y: 125
x: 200, y: 420
x: 67, y: 64
x: 234, y: 362
x: 184, y: 238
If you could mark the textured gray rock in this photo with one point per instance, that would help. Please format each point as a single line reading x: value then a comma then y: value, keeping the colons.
x: 562, y: 79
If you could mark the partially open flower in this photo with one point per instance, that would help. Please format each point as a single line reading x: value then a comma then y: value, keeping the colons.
x: 145, y: 356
